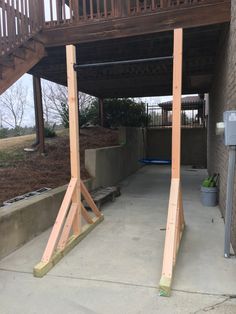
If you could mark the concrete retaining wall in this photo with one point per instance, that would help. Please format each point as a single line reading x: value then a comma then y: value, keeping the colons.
x: 193, y: 150
x: 110, y: 165
x: 22, y: 221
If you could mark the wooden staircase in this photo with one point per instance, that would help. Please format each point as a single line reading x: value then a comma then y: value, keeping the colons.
x: 20, y: 23
x: 19, y: 62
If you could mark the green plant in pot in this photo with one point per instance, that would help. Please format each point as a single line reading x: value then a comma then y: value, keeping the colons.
x: 211, y: 182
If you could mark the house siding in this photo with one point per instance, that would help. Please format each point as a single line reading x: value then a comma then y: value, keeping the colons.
x: 222, y: 98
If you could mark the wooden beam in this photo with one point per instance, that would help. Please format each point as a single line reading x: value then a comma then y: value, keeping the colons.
x: 74, y: 130
x: 42, y: 268
x: 69, y: 216
x: 199, y: 14
x: 175, y: 218
x: 39, y: 120
x: 101, y: 111
x: 176, y: 111
x: 52, y: 241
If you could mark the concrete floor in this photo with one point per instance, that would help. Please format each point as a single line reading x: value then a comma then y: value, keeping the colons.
x: 117, y: 267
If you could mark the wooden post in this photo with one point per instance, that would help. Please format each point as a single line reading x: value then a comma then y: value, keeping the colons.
x: 101, y: 111
x: 73, y: 101
x: 39, y: 121
x: 176, y: 109
x: 69, y: 216
x: 175, y: 219
x: 59, y: 10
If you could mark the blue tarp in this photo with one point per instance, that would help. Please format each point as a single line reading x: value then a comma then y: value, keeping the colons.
x: 148, y: 161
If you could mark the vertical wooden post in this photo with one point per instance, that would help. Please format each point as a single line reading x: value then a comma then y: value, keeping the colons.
x: 175, y: 219
x: 74, y: 130
x: 101, y: 111
x: 59, y: 11
x: 61, y: 239
x: 176, y: 110
x: 39, y: 121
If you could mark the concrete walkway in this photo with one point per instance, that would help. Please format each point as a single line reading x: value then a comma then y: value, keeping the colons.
x: 116, y: 269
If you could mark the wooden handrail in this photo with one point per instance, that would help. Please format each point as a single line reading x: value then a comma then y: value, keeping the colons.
x: 81, y: 11
x: 22, y: 19
x: 19, y: 20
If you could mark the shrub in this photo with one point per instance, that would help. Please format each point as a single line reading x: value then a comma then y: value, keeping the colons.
x: 3, y: 133
x: 120, y: 112
x: 49, y: 131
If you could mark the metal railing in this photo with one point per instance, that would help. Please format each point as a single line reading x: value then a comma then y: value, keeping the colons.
x: 19, y: 20
x: 157, y: 117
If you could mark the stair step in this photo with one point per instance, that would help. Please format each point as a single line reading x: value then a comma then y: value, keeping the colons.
x: 19, y: 53
x: 20, y: 61
x: 7, y: 62
x: 30, y: 45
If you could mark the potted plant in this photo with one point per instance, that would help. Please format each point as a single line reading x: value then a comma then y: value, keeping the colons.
x: 209, y: 191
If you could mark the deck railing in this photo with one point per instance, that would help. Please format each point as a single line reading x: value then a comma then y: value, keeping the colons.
x: 58, y: 12
x: 19, y: 20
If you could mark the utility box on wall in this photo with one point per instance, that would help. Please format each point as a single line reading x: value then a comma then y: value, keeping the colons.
x: 230, y: 127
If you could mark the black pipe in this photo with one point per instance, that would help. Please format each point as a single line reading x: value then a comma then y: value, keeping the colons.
x: 83, y: 66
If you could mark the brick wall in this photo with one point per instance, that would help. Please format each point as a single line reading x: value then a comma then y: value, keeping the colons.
x: 223, y: 97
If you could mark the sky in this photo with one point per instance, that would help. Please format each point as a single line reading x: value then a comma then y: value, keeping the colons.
x: 28, y: 120
x: 27, y: 82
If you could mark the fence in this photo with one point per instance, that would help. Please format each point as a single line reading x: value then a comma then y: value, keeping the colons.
x: 158, y: 117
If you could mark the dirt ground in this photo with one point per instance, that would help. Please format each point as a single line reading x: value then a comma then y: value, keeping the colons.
x: 22, y: 172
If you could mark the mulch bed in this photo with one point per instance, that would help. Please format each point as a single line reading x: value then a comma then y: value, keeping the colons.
x: 53, y: 170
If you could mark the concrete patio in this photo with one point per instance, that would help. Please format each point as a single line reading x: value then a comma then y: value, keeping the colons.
x: 116, y: 268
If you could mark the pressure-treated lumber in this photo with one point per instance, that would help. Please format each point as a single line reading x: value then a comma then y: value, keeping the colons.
x: 43, y: 268
x: 175, y: 219
x: 69, y: 218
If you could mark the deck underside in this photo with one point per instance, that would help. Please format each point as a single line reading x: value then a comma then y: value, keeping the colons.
x: 201, y: 46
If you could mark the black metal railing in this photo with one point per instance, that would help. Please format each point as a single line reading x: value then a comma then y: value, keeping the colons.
x: 158, y: 117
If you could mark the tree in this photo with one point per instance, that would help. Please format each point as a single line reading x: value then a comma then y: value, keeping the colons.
x: 13, y: 104
x: 55, y: 100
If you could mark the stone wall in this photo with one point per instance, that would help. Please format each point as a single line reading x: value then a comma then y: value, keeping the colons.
x: 222, y: 98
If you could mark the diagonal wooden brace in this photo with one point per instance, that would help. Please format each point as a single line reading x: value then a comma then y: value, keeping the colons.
x: 69, y: 219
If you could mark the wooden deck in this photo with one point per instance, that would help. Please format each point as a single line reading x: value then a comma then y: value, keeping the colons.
x: 111, y: 30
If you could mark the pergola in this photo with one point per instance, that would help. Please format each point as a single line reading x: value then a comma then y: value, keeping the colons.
x: 193, y: 103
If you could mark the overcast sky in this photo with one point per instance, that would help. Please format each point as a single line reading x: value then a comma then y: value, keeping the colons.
x: 27, y: 82
x: 29, y: 117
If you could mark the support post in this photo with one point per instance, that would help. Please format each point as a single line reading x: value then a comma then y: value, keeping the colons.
x: 69, y: 216
x: 39, y: 121
x: 59, y: 10
x: 175, y: 219
x: 73, y: 101
x: 229, y: 200
x: 101, y: 111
